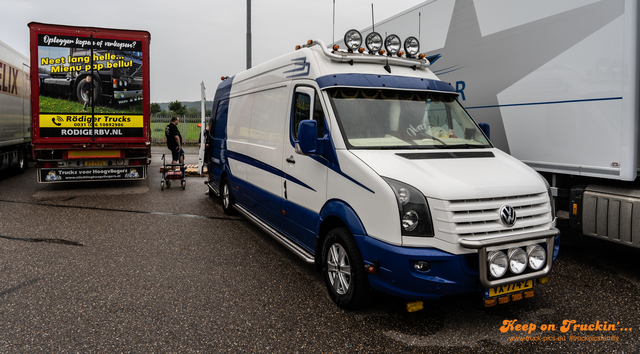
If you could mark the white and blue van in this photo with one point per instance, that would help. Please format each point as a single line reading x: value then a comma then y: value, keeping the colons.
x: 366, y: 165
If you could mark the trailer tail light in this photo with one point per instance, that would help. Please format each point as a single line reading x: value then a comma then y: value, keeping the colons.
x: 47, y: 164
x: 137, y: 162
x: 115, y: 83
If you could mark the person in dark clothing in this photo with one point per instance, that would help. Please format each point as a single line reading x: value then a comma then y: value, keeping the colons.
x: 87, y: 94
x: 174, y: 141
x: 207, y: 141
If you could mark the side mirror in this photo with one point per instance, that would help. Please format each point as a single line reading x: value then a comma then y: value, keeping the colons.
x: 307, y: 137
x: 486, y: 129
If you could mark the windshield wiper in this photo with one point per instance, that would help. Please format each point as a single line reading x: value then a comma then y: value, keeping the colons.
x: 444, y: 145
x: 465, y: 146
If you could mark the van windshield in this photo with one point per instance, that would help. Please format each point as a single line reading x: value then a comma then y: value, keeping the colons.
x: 394, y: 119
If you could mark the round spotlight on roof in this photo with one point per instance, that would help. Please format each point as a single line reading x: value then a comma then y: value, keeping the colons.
x: 373, y: 42
x: 411, y: 46
x: 353, y: 40
x: 392, y: 44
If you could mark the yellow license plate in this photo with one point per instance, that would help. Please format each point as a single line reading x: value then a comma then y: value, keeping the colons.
x: 511, y: 288
x: 95, y: 163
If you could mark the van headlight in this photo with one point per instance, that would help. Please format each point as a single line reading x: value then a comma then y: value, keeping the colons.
x: 415, y: 218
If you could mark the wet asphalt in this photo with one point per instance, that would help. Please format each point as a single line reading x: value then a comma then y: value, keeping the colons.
x: 123, y: 267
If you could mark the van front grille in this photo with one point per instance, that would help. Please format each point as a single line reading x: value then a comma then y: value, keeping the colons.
x: 480, y: 218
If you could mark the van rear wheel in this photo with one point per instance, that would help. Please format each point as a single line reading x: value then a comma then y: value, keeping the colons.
x: 227, y: 197
x: 343, y: 270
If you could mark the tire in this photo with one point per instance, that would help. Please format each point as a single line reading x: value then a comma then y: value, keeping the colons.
x: 22, y: 162
x: 343, y: 270
x: 161, y: 185
x: 168, y: 183
x: 184, y: 184
x: 97, y: 90
x: 227, y: 197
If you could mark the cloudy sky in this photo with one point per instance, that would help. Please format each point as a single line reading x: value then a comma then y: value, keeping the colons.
x: 200, y: 40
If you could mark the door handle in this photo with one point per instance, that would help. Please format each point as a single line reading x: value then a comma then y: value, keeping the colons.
x: 291, y: 160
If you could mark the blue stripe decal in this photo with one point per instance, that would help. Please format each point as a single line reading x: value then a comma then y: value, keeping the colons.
x: 336, y: 168
x: 300, y: 69
x: 384, y: 81
x: 263, y: 166
x: 547, y: 103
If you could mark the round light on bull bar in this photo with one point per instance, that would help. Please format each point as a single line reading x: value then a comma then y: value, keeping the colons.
x: 392, y: 44
x: 411, y: 46
x: 373, y: 42
x: 517, y: 260
x: 537, y: 256
x: 498, y: 263
x: 353, y: 40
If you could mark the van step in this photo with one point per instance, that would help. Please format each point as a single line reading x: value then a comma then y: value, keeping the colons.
x: 282, y: 239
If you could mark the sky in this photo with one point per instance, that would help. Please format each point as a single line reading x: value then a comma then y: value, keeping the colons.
x: 194, y: 41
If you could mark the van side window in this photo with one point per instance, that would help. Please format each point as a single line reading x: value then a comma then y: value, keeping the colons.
x: 301, y: 111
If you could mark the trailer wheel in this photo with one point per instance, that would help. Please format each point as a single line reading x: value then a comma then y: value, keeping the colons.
x: 343, y: 270
x: 227, y: 197
x: 22, y: 162
x: 184, y: 184
x: 161, y: 185
x: 168, y: 183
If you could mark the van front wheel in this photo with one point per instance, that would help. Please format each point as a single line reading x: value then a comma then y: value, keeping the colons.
x: 343, y: 270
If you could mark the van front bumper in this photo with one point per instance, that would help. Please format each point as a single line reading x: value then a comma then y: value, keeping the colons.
x: 448, y: 274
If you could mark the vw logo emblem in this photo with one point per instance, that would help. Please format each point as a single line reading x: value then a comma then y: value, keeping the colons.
x: 508, y: 215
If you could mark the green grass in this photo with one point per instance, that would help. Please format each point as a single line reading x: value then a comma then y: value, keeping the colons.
x: 188, y: 129
x: 60, y: 105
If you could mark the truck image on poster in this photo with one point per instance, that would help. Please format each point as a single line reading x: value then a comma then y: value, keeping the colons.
x: 90, y: 107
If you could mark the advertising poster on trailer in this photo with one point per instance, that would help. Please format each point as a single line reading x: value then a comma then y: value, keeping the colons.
x: 90, y: 87
x: 90, y: 103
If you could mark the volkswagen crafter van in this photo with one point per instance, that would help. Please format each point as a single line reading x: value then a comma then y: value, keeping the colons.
x: 365, y: 164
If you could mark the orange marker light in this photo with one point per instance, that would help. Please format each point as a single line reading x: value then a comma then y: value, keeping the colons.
x: 381, y: 52
x: 361, y: 50
x: 415, y: 306
x: 336, y: 47
x: 490, y: 302
x: 370, y: 269
x: 528, y: 294
x: 400, y: 53
x: 422, y: 56
x: 503, y: 300
x: 516, y: 297
x: 309, y: 42
x: 298, y: 47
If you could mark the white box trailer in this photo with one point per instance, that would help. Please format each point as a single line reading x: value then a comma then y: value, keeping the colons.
x: 558, y: 82
x: 15, y: 109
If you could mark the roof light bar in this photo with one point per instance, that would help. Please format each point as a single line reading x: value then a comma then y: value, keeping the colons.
x: 353, y: 40
x: 373, y: 42
x: 411, y: 46
x: 392, y: 44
